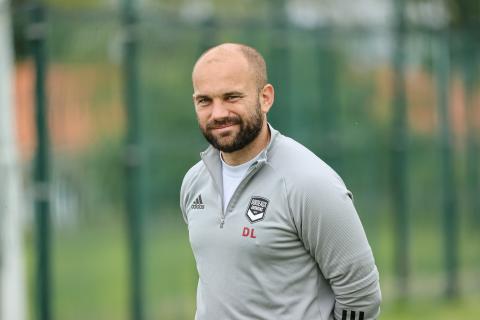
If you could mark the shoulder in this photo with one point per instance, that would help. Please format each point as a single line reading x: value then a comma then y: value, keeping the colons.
x: 301, y: 168
x: 192, y: 175
x: 194, y: 171
x: 189, y: 181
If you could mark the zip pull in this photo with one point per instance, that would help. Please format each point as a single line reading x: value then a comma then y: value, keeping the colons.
x: 222, y: 222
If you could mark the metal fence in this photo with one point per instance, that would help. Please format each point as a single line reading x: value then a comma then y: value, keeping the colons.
x: 396, y: 111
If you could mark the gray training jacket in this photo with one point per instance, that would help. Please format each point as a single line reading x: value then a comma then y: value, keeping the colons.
x: 289, y: 245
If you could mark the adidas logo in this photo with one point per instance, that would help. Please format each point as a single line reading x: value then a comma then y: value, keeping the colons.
x: 198, y: 203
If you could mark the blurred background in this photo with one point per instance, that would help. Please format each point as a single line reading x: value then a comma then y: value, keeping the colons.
x: 97, y: 129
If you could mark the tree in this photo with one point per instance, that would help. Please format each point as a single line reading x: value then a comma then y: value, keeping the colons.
x: 464, y: 13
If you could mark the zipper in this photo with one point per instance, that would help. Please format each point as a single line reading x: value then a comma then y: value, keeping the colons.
x: 222, y: 221
x: 219, y: 190
x: 253, y: 169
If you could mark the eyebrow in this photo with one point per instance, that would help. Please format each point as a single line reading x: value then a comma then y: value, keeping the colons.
x: 226, y: 94
x: 233, y: 93
x: 198, y: 96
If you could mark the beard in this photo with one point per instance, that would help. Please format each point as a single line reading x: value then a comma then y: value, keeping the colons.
x: 249, y: 130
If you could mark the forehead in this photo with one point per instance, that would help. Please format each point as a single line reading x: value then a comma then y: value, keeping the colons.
x: 221, y: 73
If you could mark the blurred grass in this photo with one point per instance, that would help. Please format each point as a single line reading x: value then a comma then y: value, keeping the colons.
x: 466, y: 308
x: 90, y: 267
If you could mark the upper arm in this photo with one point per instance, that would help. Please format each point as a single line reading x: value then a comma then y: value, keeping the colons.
x: 332, y: 233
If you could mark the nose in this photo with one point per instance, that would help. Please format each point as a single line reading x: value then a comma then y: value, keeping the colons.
x: 218, y: 110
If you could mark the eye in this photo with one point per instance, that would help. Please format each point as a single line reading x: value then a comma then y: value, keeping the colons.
x: 233, y: 98
x: 202, y: 101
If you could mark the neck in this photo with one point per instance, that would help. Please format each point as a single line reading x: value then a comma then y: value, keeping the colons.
x: 251, y: 150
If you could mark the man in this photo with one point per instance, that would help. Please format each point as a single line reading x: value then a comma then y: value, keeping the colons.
x: 273, y: 229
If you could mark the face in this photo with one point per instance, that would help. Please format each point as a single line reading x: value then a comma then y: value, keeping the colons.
x: 228, y: 103
x: 222, y: 134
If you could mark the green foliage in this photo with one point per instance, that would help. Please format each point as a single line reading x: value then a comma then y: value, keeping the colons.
x: 19, y: 20
x: 77, y: 4
x: 464, y: 13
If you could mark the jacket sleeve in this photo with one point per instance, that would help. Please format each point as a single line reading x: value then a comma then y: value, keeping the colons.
x: 184, y: 194
x: 186, y: 188
x: 332, y: 233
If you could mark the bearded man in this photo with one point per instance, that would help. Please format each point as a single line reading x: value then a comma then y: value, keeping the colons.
x: 273, y: 228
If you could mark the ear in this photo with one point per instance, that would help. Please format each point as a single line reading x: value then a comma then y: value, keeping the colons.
x: 267, y: 96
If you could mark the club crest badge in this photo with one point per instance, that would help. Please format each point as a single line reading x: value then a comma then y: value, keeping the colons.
x: 256, y: 209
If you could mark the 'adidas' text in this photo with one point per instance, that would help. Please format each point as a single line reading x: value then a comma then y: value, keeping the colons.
x: 198, y: 203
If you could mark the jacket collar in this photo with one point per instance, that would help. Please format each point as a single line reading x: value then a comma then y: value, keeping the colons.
x: 211, y: 158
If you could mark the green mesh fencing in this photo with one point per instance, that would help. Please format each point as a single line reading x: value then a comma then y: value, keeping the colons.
x: 334, y: 93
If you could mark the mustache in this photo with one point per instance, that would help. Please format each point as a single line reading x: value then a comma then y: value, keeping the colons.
x: 217, y: 123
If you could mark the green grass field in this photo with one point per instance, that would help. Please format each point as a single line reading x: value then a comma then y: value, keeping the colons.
x: 91, y: 277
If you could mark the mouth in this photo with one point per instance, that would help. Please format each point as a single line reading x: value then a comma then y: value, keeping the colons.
x: 223, y: 126
x: 224, y: 129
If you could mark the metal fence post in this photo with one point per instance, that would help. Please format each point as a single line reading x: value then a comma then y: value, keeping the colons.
x: 209, y: 29
x: 279, y: 71
x: 37, y: 34
x: 329, y: 106
x: 133, y: 158
x: 449, y: 200
x: 470, y: 76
